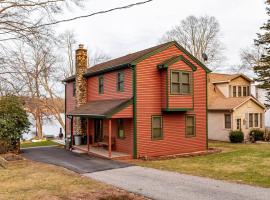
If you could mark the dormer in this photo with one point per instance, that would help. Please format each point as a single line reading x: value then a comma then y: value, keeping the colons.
x: 232, y: 85
x: 177, y: 83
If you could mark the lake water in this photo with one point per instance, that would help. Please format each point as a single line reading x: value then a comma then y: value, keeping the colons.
x: 51, y: 127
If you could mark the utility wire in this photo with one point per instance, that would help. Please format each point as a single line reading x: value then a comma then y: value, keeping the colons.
x: 83, y: 16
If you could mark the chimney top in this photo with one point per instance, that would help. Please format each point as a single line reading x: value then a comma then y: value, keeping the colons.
x: 81, y: 46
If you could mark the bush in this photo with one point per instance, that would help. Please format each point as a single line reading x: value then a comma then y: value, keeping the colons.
x: 13, y: 122
x: 256, y: 135
x: 236, y: 136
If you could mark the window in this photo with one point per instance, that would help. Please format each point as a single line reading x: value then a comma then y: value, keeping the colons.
x: 239, y: 91
x: 157, y: 132
x: 120, y: 127
x: 256, y: 120
x: 74, y: 89
x: 180, y: 82
x: 234, y: 91
x: 120, y: 81
x: 101, y: 85
x: 244, y: 91
x: 238, y: 124
x: 248, y: 91
x: 228, y: 122
x: 250, y: 120
x: 261, y: 120
x: 190, y: 126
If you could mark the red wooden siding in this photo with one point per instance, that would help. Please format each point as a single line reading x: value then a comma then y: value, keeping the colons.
x: 163, y: 81
x: 122, y: 145
x: 110, y: 90
x: 70, y: 104
x: 149, y: 101
x: 125, y: 113
x: 179, y: 101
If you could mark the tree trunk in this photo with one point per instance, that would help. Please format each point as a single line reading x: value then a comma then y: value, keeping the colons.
x: 39, y: 125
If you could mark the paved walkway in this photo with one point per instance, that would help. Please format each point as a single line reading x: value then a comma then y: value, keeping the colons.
x: 163, y: 185
x: 79, y: 163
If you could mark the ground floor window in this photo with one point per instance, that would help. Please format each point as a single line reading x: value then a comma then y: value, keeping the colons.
x: 255, y: 120
x: 238, y: 123
x: 120, y: 131
x: 157, y: 125
x: 190, y: 125
x: 228, y: 121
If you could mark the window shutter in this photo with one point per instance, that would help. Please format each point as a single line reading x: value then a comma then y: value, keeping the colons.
x: 247, y: 120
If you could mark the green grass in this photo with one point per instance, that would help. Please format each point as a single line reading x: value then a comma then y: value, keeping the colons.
x: 38, y: 144
x: 244, y: 163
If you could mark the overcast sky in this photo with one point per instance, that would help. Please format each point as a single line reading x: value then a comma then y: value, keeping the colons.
x: 122, y: 32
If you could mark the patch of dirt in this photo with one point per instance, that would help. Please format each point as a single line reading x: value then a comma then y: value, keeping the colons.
x: 109, y: 194
x: 11, y: 157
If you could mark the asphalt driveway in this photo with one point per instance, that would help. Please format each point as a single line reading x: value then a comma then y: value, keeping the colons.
x: 79, y: 163
x: 164, y: 185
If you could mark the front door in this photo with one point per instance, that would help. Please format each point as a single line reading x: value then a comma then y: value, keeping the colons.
x: 98, y: 124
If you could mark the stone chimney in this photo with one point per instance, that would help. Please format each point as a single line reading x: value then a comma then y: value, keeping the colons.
x: 81, y: 84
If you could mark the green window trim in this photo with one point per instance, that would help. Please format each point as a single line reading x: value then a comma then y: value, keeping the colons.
x: 120, y: 129
x: 157, y: 128
x: 190, y: 128
x: 180, y: 83
x: 120, y: 83
x: 101, y: 84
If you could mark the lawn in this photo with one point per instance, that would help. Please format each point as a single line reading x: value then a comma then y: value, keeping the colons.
x: 26, y: 180
x: 244, y: 163
x: 37, y: 144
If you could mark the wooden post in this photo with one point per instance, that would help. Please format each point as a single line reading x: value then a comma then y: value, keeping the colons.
x: 71, y: 131
x: 88, y: 136
x: 110, y: 138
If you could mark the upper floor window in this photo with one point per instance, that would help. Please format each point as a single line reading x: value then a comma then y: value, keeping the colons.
x: 120, y: 81
x: 240, y: 91
x: 234, y: 91
x: 228, y: 121
x: 74, y: 88
x: 101, y: 85
x: 180, y: 82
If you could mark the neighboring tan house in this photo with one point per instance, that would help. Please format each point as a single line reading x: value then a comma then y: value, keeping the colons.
x: 149, y: 103
x: 231, y: 106
x: 261, y: 94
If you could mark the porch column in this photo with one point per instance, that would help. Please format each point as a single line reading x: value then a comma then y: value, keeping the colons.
x: 71, y: 131
x: 88, y: 136
x: 110, y: 138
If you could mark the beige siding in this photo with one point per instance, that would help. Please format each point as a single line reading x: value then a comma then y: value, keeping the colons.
x: 216, y: 126
x: 240, y: 113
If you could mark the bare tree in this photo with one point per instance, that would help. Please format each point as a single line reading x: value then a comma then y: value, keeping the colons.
x: 23, y: 19
x: 199, y: 35
x: 250, y: 57
x: 68, y: 45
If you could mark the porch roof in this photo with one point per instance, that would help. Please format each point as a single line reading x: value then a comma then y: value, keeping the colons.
x: 101, y: 108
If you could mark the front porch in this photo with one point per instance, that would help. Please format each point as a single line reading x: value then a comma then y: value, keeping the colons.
x: 103, y: 153
x: 106, y: 128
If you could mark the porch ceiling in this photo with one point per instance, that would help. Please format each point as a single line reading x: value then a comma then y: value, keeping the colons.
x: 102, y: 108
